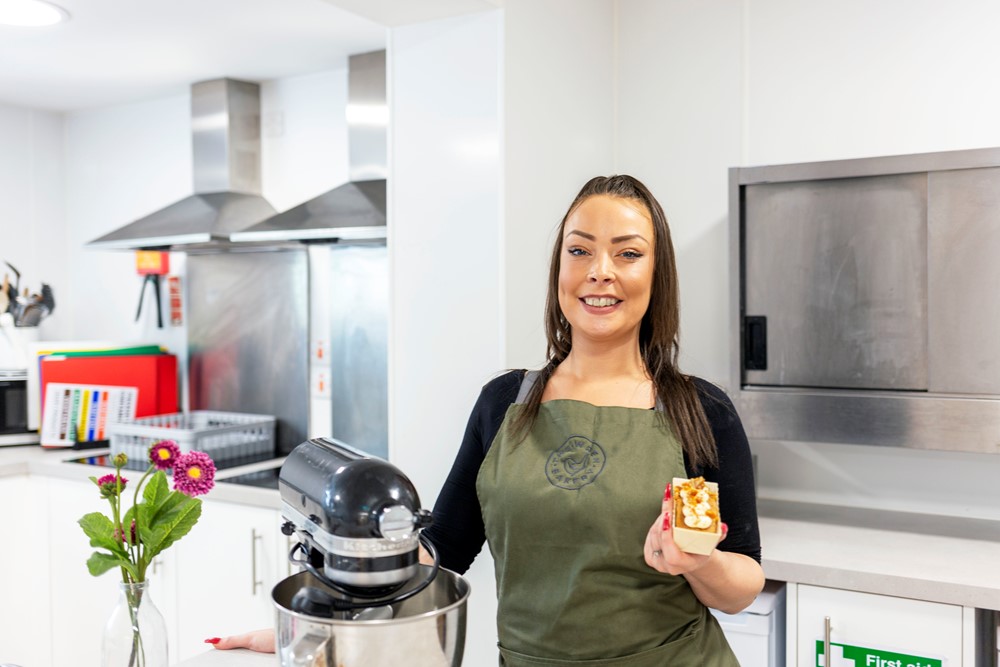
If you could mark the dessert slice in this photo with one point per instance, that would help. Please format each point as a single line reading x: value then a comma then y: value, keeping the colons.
x: 696, y: 522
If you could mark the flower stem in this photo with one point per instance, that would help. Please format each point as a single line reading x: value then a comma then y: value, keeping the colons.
x: 115, y: 501
x: 140, y: 565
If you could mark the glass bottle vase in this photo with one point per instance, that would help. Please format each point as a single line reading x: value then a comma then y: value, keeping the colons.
x: 136, y: 634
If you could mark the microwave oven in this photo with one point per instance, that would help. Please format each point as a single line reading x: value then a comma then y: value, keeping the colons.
x: 14, y: 409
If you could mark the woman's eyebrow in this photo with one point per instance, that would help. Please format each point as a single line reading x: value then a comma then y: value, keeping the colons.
x: 627, y: 237
x: 615, y: 239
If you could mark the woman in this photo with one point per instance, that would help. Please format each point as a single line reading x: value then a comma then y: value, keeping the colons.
x: 561, y: 471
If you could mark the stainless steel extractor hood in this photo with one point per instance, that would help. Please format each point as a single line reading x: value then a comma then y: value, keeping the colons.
x: 225, y: 123
x: 356, y: 210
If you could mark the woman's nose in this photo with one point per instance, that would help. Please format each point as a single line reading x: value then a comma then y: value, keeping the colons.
x: 601, y: 270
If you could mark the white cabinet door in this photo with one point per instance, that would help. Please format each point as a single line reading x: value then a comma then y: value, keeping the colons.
x: 226, y: 568
x: 25, y: 636
x: 866, y: 629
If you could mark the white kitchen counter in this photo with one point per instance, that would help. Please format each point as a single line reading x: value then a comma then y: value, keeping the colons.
x: 232, y: 658
x: 35, y: 460
x: 920, y: 566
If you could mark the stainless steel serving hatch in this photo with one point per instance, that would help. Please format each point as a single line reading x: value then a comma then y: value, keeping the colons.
x: 867, y: 301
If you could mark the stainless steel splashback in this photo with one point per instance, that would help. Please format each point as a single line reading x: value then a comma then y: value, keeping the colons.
x: 867, y: 302
x: 358, y: 329
x: 248, y: 337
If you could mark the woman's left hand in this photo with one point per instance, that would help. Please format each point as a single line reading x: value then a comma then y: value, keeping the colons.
x: 660, y: 551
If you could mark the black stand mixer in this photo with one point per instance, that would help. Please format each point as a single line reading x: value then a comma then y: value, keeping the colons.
x: 363, y: 595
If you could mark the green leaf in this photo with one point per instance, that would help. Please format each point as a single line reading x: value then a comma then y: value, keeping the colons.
x: 170, y: 526
x: 96, y: 525
x: 156, y: 490
x: 101, y: 532
x: 155, y: 517
x: 99, y: 563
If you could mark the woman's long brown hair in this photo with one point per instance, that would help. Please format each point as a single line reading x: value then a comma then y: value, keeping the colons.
x: 658, y: 331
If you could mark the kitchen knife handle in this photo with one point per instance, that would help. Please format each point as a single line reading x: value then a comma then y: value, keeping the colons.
x: 253, y: 560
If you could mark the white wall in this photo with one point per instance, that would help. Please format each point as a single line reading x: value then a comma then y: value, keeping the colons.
x: 829, y: 80
x: 122, y: 163
x: 303, y: 136
x: 558, y: 133
x: 445, y: 245
x: 31, y: 207
x: 705, y: 88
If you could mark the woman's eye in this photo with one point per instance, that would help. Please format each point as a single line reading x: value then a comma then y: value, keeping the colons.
x: 577, y: 251
x: 631, y: 254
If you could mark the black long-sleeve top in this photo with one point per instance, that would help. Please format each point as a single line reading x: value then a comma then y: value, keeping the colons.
x: 458, y: 531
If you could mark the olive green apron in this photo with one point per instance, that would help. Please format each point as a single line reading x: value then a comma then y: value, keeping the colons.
x: 566, y: 513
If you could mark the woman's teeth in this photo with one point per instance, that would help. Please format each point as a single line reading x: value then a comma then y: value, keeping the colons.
x: 600, y: 302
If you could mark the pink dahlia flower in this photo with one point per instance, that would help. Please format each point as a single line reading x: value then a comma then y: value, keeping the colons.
x: 194, y: 474
x: 163, y: 454
x: 107, y: 485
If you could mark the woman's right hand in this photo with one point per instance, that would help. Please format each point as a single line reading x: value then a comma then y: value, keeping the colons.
x: 261, y: 641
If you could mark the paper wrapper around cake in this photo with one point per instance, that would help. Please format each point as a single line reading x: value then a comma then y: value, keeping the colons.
x: 693, y: 540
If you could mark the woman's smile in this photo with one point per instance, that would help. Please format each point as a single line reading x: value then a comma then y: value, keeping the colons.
x: 600, y: 305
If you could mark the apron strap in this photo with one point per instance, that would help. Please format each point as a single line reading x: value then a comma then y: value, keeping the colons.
x: 531, y: 377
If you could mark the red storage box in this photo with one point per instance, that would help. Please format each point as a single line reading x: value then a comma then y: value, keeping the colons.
x: 154, y: 375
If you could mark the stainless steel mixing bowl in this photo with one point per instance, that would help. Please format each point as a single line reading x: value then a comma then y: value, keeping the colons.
x: 426, y: 630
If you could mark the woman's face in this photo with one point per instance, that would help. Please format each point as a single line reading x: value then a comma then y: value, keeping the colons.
x: 606, y: 268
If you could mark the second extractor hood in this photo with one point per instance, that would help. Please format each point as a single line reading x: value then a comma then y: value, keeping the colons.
x: 355, y: 210
x: 225, y: 124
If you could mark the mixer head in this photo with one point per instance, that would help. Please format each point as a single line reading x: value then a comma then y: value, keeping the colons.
x: 357, y: 518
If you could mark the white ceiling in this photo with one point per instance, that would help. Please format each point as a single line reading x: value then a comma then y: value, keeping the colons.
x: 117, y: 51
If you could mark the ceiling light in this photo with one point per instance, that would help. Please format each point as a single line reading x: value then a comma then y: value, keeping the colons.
x: 30, y: 13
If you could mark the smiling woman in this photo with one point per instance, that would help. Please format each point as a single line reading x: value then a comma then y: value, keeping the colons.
x: 580, y: 440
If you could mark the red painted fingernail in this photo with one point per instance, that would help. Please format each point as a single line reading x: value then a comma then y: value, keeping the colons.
x: 666, y: 493
x: 666, y: 522
x: 725, y: 530
x: 213, y: 640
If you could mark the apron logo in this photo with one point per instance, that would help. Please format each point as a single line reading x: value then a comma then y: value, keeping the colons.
x: 576, y: 464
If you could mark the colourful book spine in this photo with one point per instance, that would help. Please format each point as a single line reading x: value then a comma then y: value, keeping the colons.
x: 95, y: 398
x: 73, y: 414
x: 81, y: 424
x: 102, y: 418
x: 64, y: 419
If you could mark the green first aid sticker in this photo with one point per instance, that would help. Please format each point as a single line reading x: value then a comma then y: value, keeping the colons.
x: 845, y: 655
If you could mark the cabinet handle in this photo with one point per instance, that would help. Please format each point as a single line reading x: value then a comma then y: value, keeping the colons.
x: 253, y: 560
x: 826, y: 641
x: 156, y: 565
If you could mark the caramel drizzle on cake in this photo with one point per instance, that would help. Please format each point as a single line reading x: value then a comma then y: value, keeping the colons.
x: 698, y: 508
